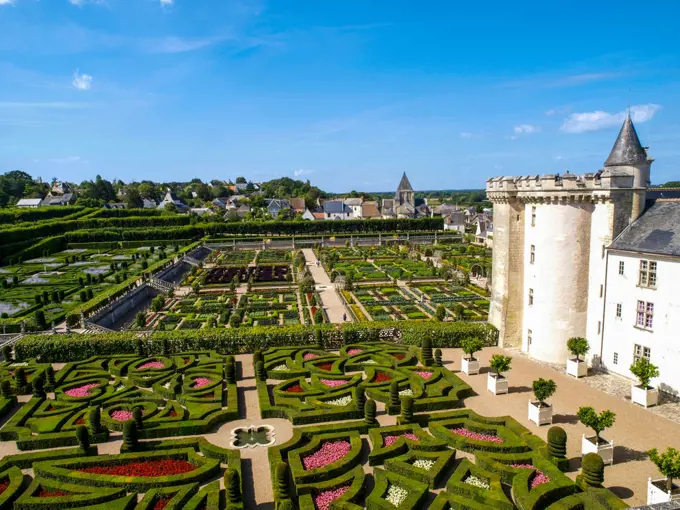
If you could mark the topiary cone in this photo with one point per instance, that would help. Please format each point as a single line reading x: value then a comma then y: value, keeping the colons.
x: 6, y: 388
x: 257, y: 356
x: 38, y: 387
x: 407, y: 409
x: 19, y: 378
x: 166, y: 347
x: 369, y: 413
x: 592, y: 470
x: 557, y: 442
x: 51, y: 383
x: 230, y: 373
x: 94, y: 420
x: 7, y: 353
x: 260, y: 372
x: 232, y: 483
x: 83, y: 437
x: 282, y: 491
x: 394, y: 394
x: 438, y: 358
x: 130, y: 435
x: 426, y: 351
x: 361, y: 398
x: 140, y: 347
x: 137, y: 416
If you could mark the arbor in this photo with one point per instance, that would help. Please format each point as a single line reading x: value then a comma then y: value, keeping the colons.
x: 668, y: 463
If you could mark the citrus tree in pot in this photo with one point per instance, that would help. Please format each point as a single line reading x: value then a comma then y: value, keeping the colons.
x: 576, y: 366
x: 664, y: 490
x: 540, y: 412
x: 470, y: 364
x: 497, y: 382
x: 643, y: 393
x: 598, y: 422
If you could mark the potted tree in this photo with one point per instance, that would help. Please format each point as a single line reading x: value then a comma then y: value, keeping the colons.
x: 496, y: 382
x: 664, y: 490
x: 597, y: 422
x: 643, y: 393
x: 540, y: 412
x: 576, y: 366
x: 470, y: 364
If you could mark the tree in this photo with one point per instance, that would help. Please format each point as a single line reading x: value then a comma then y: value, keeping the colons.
x: 140, y: 320
x: 668, y: 463
x: 543, y: 390
x: 440, y: 313
x: 578, y: 347
x: 598, y: 423
x: 471, y: 346
x: 134, y: 198
x: 83, y: 437
x: 170, y: 208
x: 40, y: 320
x: 500, y: 363
x: 644, y: 371
x: 241, y: 180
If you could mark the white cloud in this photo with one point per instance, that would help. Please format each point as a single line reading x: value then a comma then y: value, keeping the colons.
x: 594, y: 121
x: 80, y: 3
x: 82, y: 81
x: 301, y: 171
x: 6, y: 2
x: 526, y: 129
x: 167, y: 2
x: 466, y: 135
x: 558, y: 158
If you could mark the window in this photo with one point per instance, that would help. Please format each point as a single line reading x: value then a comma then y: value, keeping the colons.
x: 647, y: 274
x: 621, y: 265
x: 645, y: 314
x: 618, y: 310
x: 599, y: 327
x: 531, y: 297
x: 529, y: 334
x: 640, y: 351
x: 601, y: 290
x: 616, y: 358
x: 533, y: 215
x: 532, y: 255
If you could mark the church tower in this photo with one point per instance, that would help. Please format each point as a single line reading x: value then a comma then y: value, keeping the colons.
x: 550, y: 239
x: 404, y: 193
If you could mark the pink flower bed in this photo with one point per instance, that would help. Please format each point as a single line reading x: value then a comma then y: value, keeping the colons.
x: 329, y: 452
x: 424, y: 374
x: 461, y: 431
x: 199, y: 382
x: 539, y: 477
x: 388, y: 440
x: 121, y: 415
x: 310, y: 355
x: 81, y: 391
x: 354, y: 352
x: 333, y: 382
x: 151, y: 364
x: 323, y: 499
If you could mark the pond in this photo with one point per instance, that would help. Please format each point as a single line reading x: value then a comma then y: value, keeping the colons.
x: 253, y: 436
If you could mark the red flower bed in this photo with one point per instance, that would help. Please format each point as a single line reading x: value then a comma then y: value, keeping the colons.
x: 295, y: 388
x: 3, y: 486
x: 46, y: 493
x: 79, y: 421
x: 399, y: 356
x: 173, y: 414
x: 161, y: 503
x: 325, y: 366
x: 146, y: 469
x: 381, y: 377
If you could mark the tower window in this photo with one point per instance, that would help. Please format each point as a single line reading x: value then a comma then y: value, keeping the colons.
x: 616, y: 358
x: 619, y: 309
x: 640, y: 351
x: 532, y: 254
x: 533, y: 215
x: 531, y: 297
x: 529, y: 335
x: 621, y: 266
x: 601, y: 290
x: 599, y: 327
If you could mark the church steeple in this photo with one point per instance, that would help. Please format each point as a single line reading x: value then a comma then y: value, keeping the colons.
x: 404, y: 184
x: 627, y: 149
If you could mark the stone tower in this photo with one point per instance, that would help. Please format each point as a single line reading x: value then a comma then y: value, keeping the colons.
x: 404, y: 193
x: 550, y: 232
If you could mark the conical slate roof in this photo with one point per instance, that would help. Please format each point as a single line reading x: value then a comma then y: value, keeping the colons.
x: 404, y: 185
x: 627, y: 149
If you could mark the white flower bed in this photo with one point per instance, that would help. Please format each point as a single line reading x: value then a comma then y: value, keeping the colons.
x: 478, y: 482
x: 396, y: 495
x: 120, y: 388
x: 281, y: 368
x: 167, y: 385
x: 24, y: 364
x: 369, y: 362
x: 341, y: 401
x: 408, y: 392
x: 423, y: 464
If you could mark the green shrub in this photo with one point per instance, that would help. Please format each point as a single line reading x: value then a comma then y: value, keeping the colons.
x: 426, y: 351
x: 130, y: 439
x: 20, y: 378
x: 471, y: 346
x: 38, y: 387
x: 557, y: 442
x: 598, y: 423
x: 7, y: 353
x: 438, y: 358
x: 592, y: 470
x: 360, y: 398
x: 394, y: 394
x: 407, y: 409
x: 643, y: 369
x: 232, y: 484
x: 94, y: 420
x: 668, y: 463
x: 6, y: 388
x: 500, y: 363
x: 49, y: 373
x: 230, y: 373
x: 139, y: 347
x: 137, y: 415
x: 578, y: 347
x: 543, y: 389
x: 282, y: 490
x: 369, y: 413
x: 260, y: 371
x: 83, y: 437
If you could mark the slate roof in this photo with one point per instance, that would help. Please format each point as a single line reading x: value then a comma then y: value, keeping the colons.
x: 298, y: 204
x: 29, y: 202
x: 404, y: 184
x: 335, y: 207
x: 370, y: 210
x: 627, y: 149
x: 353, y: 201
x: 656, y: 231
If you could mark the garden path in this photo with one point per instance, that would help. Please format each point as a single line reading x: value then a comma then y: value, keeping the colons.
x: 329, y: 298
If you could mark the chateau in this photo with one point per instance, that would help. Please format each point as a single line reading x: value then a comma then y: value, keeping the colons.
x: 594, y: 256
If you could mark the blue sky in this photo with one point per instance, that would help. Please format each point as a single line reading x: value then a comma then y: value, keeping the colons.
x: 347, y: 94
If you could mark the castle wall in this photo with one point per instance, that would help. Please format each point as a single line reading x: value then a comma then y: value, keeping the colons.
x: 558, y: 277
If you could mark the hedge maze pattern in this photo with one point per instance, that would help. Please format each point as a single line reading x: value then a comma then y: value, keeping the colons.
x: 414, y: 466
x: 316, y: 385
x: 179, y: 395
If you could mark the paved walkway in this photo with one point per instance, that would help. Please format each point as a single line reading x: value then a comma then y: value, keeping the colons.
x: 329, y: 298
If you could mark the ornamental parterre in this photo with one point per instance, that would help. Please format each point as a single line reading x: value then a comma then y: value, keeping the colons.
x: 490, y: 438
x: 323, y: 499
x: 330, y: 451
x: 146, y: 469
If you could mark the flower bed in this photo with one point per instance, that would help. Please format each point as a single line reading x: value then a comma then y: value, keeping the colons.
x: 325, y: 366
x: 330, y: 451
x: 423, y: 464
x: 381, y: 377
x: 462, y: 431
x: 333, y: 383
x: 424, y: 374
x: 281, y: 368
x: 81, y: 391
x: 477, y: 482
x: 388, y: 440
x: 295, y: 388
x: 45, y: 493
x: 146, y: 469
x: 121, y: 415
x: 341, y: 401
x: 161, y: 503
x: 323, y: 499
x: 408, y: 392
x: 399, y: 356
x: 310, y: 355
x: 396, y: 495
x: 354, y: 352
x: 537, y: 479
x: 151, y: 364
x: 3, y: 486
x: 199, y: 382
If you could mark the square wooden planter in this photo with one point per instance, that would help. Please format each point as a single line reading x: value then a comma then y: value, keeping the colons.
x: 540, y: 415
x: 497, y: 384
x: 469, y: 366
x: 657, y: 493
x: 577, y: 368
x: 646, y: 397
x: 605, y: 449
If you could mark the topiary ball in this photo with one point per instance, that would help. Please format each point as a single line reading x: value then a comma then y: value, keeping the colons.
x: 592, y: 469
x: 557, y: 442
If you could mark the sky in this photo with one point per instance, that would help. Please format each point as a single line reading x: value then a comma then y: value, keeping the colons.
x: 346, y: 94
